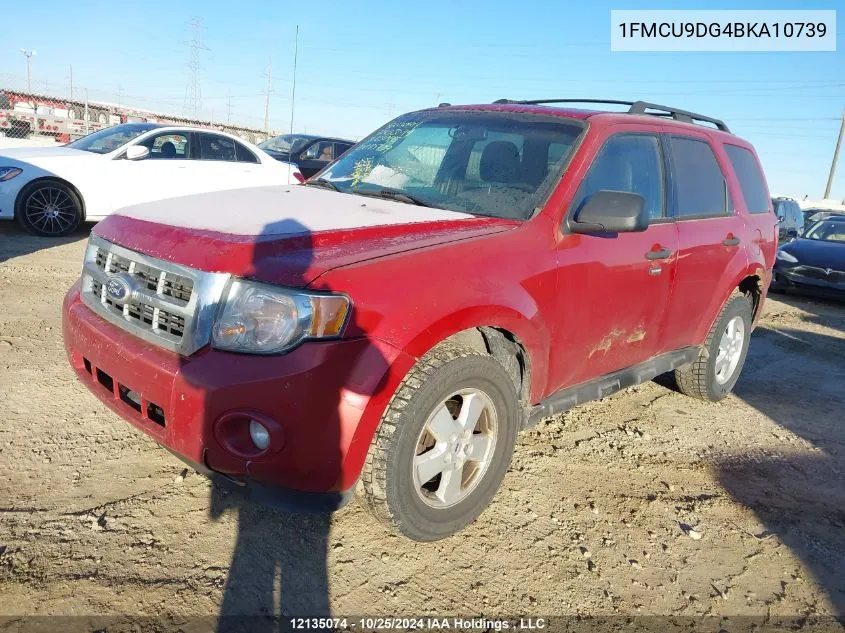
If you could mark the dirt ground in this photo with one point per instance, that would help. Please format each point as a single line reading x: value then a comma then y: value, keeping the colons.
x: 645, y: 503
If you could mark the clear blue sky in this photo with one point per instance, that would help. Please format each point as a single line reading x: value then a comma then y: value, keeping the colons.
x: 363, y: 63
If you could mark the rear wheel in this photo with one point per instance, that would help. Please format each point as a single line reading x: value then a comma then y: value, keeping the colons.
x: 444, y: 444
x: 49, y: 209
x: 715, y: 372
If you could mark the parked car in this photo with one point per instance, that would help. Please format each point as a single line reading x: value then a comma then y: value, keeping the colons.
x: 790, y: 218
x: 309, y: 153
x: 811, y: 216
x: 459, y: 275
x: 815, y: 261
x: 51, y: 190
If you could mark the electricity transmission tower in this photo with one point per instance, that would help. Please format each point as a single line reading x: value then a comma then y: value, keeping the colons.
x: 28, y: 54
x: 193, y: 89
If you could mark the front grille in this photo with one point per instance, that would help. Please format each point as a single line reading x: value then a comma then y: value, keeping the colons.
x: 150, y: 279
x: 164, y: 303
x: 158, y: 320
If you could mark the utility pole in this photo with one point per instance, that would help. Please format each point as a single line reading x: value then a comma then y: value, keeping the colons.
x: 71, y: 82
x: 267, y: 92
x: 29, y: 55
x: 229, y: 109
x: 293, y: 91
x: 835, y: 158
x: 193, y: 90
x: 119, y: 93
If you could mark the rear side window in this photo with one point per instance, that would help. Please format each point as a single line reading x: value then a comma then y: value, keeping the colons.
x: 750, y: 178
x: 631, y: 163
x: 700, y: 187
x: 214, y: 147
x: 244, y: 155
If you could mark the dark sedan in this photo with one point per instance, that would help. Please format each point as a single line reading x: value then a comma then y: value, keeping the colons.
x: 309, y: 153
x: 814, y: 262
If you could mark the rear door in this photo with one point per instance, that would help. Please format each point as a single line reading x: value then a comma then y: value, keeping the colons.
x: 759, y: 218
x: 710, y: 234
x: 615, y: 288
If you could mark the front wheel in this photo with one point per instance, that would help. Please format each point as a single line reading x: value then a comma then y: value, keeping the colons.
x: 49, y: 209
x: 444, y: 444
x: 715, y: 372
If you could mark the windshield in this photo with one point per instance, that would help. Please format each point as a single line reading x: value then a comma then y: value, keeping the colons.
x: 286, y: 143
x: 499, y: 164
x: 110, y: 139
x: 827, y: 231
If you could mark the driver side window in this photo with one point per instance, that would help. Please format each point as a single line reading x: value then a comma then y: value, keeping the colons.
x: 631, y: 163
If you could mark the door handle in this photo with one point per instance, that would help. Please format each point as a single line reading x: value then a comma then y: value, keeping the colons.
x: 730, y: 241
x: 663, y: 253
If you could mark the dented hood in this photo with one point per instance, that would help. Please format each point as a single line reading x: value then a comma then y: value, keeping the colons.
x: 288, y: 235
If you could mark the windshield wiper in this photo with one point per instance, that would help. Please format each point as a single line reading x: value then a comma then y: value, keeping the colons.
x: 322, y: 182
x: 392, y: 194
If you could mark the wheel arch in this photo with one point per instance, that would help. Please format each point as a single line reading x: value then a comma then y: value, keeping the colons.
x: 749, y: 281
x: 520, y: 344
x: 42, y: 179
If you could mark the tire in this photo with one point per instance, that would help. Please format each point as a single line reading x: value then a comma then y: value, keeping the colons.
x: 48, y: 208
x: 462, y: 379
x: 709, y: 377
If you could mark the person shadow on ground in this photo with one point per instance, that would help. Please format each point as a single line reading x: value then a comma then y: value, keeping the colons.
x: 795, y: 378
x: 279, y: 564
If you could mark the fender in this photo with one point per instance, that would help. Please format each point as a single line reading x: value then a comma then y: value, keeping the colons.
x: 532, y: 335
x: 734, y: 276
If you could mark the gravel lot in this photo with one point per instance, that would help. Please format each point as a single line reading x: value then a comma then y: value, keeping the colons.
x: 646, y: 503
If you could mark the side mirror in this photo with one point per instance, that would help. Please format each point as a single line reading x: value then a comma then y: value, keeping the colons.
x: 137, y: 152
x: 611, y: 212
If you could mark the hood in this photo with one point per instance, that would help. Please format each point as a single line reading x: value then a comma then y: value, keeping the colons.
x: 288, y: 235
x: 34, y: 154
x: 283, y: 156
x: 818, y: 253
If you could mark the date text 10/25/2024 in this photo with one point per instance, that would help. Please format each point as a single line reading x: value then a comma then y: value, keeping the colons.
x: 431, y: 623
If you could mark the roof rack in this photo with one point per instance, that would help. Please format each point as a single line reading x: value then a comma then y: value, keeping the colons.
x: 635, y: 107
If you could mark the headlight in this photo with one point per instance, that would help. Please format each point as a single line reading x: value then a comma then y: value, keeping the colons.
x: 787, y: 257
x: 258, y: 318
x: 7, y: 173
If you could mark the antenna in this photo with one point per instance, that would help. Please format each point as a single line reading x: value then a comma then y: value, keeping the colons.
x: 293, y: 91
x: 193, y: 89
x: 267, y: 92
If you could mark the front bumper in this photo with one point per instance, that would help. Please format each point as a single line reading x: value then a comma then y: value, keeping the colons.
x: 809, y: 279
x: 322, y: 401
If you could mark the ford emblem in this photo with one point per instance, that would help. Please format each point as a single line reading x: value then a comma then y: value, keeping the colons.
x: 119, y: 287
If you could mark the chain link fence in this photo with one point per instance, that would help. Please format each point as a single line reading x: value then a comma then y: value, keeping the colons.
x: 28, y: 118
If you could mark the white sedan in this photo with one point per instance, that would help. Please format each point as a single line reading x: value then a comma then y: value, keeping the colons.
x: 51, y: 190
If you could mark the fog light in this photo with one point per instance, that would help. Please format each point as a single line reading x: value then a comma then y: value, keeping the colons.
x: 260, y: 436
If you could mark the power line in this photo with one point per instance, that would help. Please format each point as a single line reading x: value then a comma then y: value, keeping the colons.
x: 193, y: 90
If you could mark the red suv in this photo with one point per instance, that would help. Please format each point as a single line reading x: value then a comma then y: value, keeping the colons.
x: 390, y: 326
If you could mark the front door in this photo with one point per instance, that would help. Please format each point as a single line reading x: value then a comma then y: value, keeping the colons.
x: 314, y: 157
x: 614, y: 288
